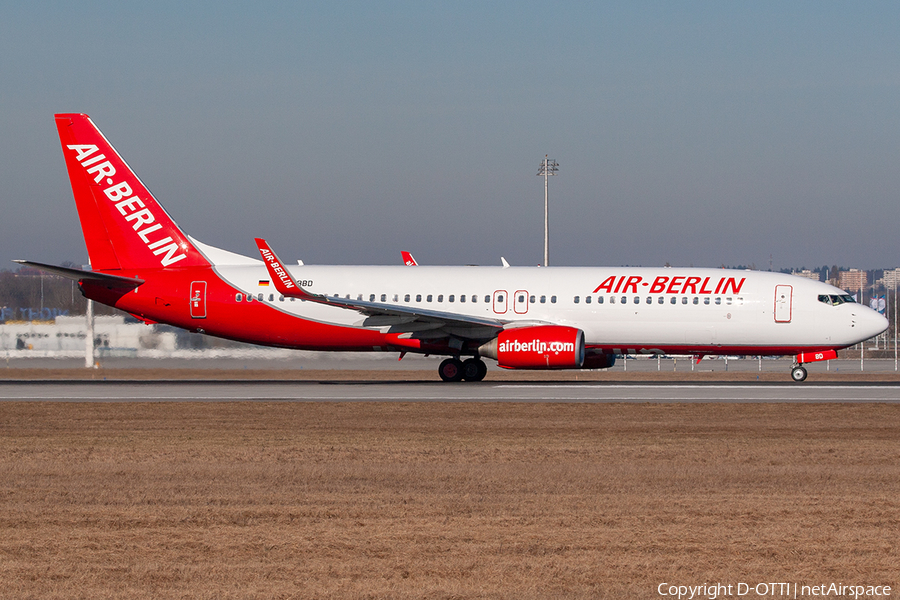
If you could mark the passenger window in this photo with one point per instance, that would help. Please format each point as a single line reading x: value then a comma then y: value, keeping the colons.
x: 271, y: 297
x: 428, y: 298
x: 587, y: 299
x: 440, y: 297
x: 395, y: 297
x: 718, y: 301
x: 673, y: 300
x: 696, y: 300
x: 384, y: 297
x: 371, y: 297
x: 552, y: 299
x: 249, y: 297
x: 450, y: 298
x: 612, y: 299
x: 577, y: 299
x: 706, y: 300
x: 624, y: 300
x: 406, y: 298
x: 728, y: 301
x: 660, y: 300
x: 530, y: 299
x: 418, y: 297
x: 359, y: 297
x: 259, y: 297
x: 649, y: 300
x: 637, y: 300
x: 240, y: 297
x: 543, y: 299
x: 281, y: 298
x: 499, y: 298
x: 462, y: 297
x: 599, y: 299
x: 684, y: 300
x: 487, y: 299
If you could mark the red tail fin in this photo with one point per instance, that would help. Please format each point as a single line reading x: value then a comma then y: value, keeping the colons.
x: 408, y: 259
x: 124, y: 226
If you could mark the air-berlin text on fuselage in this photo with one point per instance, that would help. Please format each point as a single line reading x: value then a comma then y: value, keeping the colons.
x: 277, y: 268
x: 537, y: 346
x: 663, y: 284
x: 127, y: 204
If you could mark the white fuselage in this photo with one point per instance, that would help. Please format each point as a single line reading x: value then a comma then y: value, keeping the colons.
x: 638, y: 310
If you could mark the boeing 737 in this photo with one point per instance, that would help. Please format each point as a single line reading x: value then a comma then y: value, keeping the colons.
x: 522, y: 317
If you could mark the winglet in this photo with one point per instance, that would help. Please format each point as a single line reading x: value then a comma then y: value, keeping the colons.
x: 284, y: 283
x: 408, y: 259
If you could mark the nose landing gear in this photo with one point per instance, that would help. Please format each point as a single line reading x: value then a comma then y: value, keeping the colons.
x: 798, y: 372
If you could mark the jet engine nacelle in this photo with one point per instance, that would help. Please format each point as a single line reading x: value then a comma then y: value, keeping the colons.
x: 541, y: 347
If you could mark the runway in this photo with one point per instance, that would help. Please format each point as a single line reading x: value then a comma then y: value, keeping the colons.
x: 303, y: 391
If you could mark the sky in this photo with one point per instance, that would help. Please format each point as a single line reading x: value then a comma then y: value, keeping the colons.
x: 688, y: 133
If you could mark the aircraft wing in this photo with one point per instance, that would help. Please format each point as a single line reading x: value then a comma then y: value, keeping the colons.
x: 81, y: 275
x: 397, y: 318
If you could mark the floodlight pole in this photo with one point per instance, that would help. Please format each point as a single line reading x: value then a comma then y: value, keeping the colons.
x: 548, y: 167
x: 89, y: 339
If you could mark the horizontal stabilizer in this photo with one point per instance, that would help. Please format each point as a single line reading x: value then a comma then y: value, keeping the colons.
x: 81, y: 275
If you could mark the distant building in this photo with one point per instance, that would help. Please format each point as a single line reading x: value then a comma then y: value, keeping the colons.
x: 806, y: 273
x: 891, y: 279
x: 67, y: 335
x: 853, y: 280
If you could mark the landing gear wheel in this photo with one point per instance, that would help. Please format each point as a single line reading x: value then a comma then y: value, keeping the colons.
x: 451, y: 370
x: 798, y: 374
x: 474, y: 369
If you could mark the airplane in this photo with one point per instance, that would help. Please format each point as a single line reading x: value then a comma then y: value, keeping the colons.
x: 141, y: 262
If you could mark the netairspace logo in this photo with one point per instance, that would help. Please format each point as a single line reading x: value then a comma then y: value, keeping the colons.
x: 711, y: 591
x: 537, y: 346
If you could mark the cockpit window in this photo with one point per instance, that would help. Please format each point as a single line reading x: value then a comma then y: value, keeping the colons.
x: 835, y: 300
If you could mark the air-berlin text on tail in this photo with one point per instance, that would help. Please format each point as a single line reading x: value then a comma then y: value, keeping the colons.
x: 670, y: 285
x: 269, y: 257
x: 127, y: 204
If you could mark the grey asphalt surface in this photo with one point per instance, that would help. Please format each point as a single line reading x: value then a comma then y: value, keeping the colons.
x: 299, y: 391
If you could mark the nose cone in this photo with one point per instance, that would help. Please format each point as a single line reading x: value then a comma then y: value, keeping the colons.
x: 869, y: 323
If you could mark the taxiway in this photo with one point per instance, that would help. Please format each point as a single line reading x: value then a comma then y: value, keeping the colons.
x: 380, y: 391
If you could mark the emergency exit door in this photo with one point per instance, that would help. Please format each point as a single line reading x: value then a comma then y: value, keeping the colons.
x: 198, y: 299
x: 783, y: 303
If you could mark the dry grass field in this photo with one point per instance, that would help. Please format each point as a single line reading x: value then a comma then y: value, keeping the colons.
x: 373, y: 500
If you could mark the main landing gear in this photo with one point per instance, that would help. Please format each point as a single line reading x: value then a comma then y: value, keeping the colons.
x: 453, y: 369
